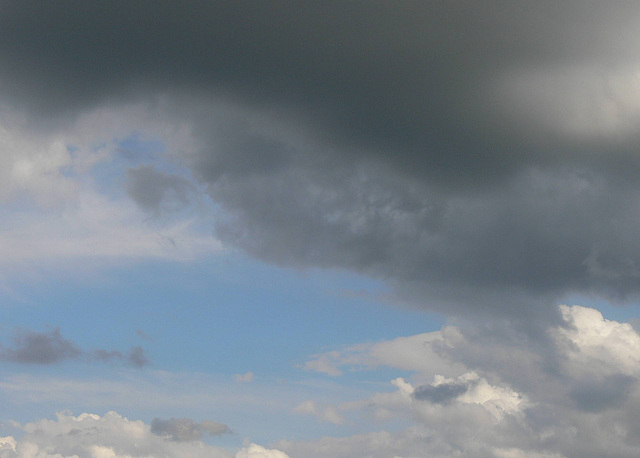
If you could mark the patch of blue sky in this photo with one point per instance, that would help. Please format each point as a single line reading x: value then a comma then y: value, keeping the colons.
x: 224, y: 314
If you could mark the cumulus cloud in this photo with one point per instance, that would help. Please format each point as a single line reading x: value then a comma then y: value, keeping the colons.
x: 32, y: 347
x: 504, y: 394
x: 258, y: 451
x: 90, y: 435
x: 112, y: 435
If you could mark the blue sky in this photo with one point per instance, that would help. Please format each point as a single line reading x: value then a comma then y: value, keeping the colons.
x: 278, y: 229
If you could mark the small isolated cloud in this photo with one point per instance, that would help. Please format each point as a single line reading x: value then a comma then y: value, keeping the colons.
x: 185, y: 429
x: 246, y: 378
x: 30, y: 347
x: 40, y: 348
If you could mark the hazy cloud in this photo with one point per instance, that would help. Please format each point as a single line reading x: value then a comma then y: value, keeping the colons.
x: 329, y: 414
x: 185, y: 429
x: 248, y: 377
x: 135, y: 357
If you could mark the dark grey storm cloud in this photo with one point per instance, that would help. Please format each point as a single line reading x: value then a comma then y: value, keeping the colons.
x: 476, y: 154
x: 32, y: 347
x: 186, y: 429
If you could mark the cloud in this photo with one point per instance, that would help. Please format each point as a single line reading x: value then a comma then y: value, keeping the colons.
x: 420, y: 352
x: 185, y: 429
x: 478, y: 157
x: 92, y: 435
x: 155, y: 191
x: 258, y: 451
x: 505, y: 394
x: 329, y: 414
x: 246, y: 378
x: 40, y: 348
x: 442, y: 392
x: 597, y: 395
x: 135, y: 357
x: 51, y: 347
x: 456, y: 151
x: 63, y: 201
x: 483, y: 390
x: 113, y: 435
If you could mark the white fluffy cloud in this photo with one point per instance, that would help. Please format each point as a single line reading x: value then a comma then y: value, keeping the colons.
x: 89, y: 435
x: 257, y: 451
x: 111, y: 436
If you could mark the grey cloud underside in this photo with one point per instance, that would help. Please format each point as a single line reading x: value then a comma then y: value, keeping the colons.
x: 447, y: 147
x: 440, y: 394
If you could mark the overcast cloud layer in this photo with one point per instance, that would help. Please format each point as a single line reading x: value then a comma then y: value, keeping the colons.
x: 468, y: 152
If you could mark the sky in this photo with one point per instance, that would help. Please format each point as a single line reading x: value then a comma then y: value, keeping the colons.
x: 319, y: 229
